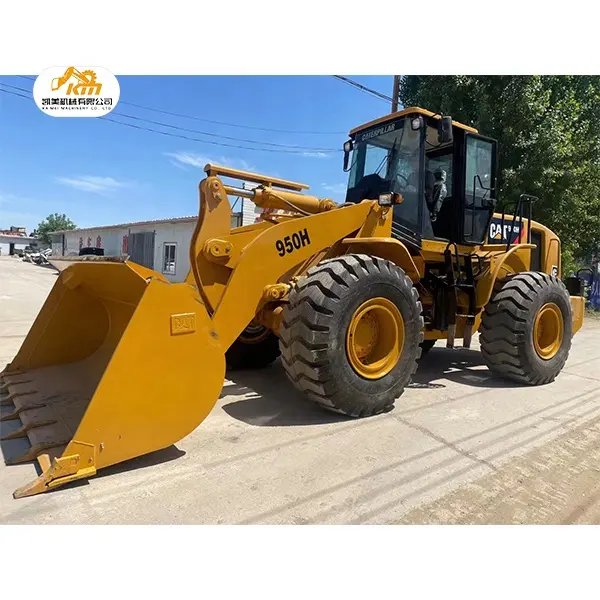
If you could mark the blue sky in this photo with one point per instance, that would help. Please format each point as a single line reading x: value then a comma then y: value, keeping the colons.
x: 98, y: 172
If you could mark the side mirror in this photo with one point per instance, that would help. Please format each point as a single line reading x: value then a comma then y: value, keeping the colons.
x: 445, y: 130
x: 348, y: 146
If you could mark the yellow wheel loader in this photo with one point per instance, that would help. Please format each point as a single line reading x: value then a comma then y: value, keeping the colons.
x: 120, y: 362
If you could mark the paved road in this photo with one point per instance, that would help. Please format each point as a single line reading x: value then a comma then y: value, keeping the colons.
x: 460, y: 447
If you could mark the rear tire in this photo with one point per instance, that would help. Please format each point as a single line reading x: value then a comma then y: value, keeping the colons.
x: 324, y: 311
x: 526, y: 328
x: 256, y: 348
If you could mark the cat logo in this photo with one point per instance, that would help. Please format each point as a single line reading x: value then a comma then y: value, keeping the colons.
x: 500, y: 232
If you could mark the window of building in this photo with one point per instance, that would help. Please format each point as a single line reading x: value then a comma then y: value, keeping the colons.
x: 169, y: 258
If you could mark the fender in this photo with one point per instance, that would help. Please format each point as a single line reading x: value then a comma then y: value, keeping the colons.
x: 516, y: 260
x: 388, y: 249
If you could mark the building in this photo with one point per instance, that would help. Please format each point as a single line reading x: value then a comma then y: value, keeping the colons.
x: 13, y: 237
x: 14, y: 230
x: 161, y: 245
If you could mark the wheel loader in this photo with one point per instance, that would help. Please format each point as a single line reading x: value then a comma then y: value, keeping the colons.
x: 120, y: 362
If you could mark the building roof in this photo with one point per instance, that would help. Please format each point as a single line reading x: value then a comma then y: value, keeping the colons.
x: 190, y: 219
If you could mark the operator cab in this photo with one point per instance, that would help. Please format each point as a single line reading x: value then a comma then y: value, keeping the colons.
x: 444, y: 171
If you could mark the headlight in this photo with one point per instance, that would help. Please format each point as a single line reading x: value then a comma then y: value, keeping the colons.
x: 415, y: 124
x: 385, y: 199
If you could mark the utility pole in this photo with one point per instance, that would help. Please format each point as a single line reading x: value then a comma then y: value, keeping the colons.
x: 395, y: 93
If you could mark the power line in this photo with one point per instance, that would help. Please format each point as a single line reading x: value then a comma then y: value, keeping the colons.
x: 194, y: 118
x: 16, y: 94
x: 207, y: 133
x: 363, y: 88
x: 186, y: 137
x: 177, y: 135
x: 182, y: 116
x: 225, y: 137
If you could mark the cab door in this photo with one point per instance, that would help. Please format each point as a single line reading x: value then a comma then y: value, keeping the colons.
x: 479, y: 183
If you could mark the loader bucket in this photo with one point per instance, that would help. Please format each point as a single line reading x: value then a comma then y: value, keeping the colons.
x: 118, y: 363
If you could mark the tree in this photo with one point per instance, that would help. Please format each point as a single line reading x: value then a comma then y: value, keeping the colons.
x: 50, y: 224
x: 548, y: 132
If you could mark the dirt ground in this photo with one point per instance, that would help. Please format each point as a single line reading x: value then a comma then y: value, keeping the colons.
x: 460, y: 447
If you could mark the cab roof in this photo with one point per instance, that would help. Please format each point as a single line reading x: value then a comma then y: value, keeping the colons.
x: 413, y: 110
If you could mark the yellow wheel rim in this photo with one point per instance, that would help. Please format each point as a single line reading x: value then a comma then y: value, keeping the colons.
x: 548, y: 331
x: 375, y: 338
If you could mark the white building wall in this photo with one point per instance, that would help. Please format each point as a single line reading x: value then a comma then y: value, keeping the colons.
x: 112, y: 241
x: 179, y: 234
x: 248, y: 212
x: 57, y: 248
x: 109, y: 239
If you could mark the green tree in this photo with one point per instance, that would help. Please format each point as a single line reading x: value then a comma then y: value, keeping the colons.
x: 548, y: 131
x: 50, y: 224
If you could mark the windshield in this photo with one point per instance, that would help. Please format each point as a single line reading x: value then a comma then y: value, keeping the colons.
x: 389, y: 153
x: 388, y: 159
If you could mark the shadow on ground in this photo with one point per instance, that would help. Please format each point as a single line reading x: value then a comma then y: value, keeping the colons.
x: 458, y: 365
x: 268, y: 399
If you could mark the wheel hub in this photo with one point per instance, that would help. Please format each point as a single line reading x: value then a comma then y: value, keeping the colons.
x: 375, y: 338
x: 548, y: 331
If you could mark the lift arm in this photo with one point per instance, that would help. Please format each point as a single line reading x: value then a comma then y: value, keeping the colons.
x: 234, y: 277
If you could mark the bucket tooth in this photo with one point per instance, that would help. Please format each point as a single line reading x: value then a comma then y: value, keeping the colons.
x: 18, y: 433
x: 18, y: 410
x: 43, y: 438
x: 29, y: 400
x: 10, y: 398
x: 32, y: 453
x: 10, y: 381
x: 41, y: 484
x: 32, y: 418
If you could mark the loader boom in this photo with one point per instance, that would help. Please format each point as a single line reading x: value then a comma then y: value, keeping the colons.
x: 277, y: 249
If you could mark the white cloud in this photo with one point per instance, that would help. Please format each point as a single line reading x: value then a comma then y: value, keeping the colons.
x: 90, y: 183
x: 177, y: 164
x: 335, y: 188
x: 316, y: 154
x: 200, y: 161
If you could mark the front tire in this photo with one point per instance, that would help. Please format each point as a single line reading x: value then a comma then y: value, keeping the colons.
x: 350, y: 334
x: 526, y: 329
